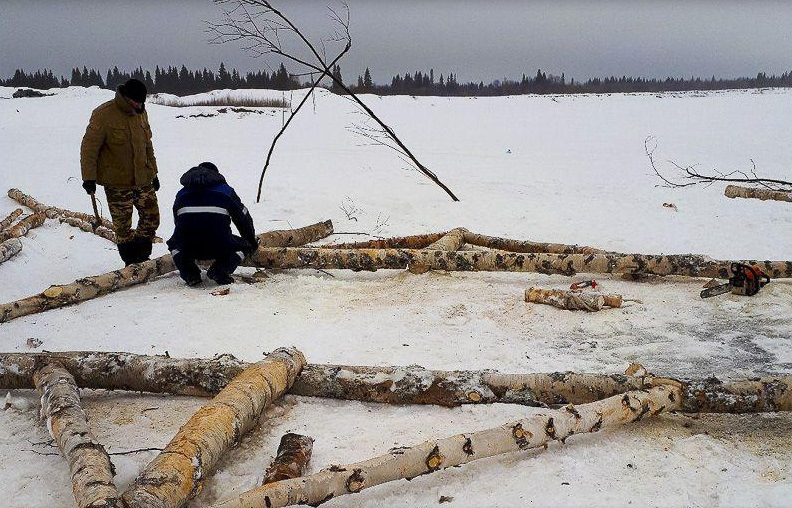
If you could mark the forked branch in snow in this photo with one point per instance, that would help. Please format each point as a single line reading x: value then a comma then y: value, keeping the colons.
x: 689, y: 175
x: 265, y: 30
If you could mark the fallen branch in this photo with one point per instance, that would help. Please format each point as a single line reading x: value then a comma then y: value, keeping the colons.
x: 566, y: 264
x: 22, y: 227
x: 91, y: 469
x: 177, y: 474
x: 91, y: 287
x: 53, y: 212
x: 11, y: 218
x: 735, y: 191
x: 393, y: 385
x: 9, y: 249
x: 434, y: 455
x: 294, y: 453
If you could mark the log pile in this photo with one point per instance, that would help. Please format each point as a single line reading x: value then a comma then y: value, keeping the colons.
x: 580, y: 403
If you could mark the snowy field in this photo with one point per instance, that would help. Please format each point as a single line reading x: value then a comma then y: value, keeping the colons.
x: 566, y: 169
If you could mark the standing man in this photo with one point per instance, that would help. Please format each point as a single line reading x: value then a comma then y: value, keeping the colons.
x: 116, y: 153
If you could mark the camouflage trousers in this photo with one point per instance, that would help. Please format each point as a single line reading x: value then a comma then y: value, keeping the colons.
x: 120, y: 201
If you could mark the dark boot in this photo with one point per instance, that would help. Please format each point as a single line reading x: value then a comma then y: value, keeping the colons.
x: 141, y: 250
x: 128, y: 250
x: 224, y: 266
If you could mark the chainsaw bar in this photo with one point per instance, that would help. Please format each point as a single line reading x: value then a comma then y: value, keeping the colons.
x: 717, y: 290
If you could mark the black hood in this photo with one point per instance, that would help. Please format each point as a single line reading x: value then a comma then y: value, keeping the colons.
x: 201, y: 176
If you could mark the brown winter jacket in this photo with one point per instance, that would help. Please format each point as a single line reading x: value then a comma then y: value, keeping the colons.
x: 116, y: 149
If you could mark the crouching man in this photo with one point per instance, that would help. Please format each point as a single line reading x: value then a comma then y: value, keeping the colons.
x: 203, y: 212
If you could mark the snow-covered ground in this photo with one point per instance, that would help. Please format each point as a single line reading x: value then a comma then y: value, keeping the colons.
x: 567, y: 169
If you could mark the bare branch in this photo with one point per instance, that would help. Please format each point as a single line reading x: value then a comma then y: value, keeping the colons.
x: 692, y: 176
x: 266, y: 39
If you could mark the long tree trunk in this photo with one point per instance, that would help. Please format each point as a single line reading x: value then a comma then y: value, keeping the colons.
x: 177, y: 474
x: 102, y: 231
x: 394, y: 384
x: 11, y: 218
x: 294, y: 453
x: 89, y: 464
x: 509, y: 245
x: 98, y: 285
x: 87, y: 288
x: 434, y: 455
x: 450, y: 242
x: 9, y: 249
x: 400, y: 242
x: 53, y: 212
x: 22, y: 227
x: 735, y: 191
x: 565, y: 264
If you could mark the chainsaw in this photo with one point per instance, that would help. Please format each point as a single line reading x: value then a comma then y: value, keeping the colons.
x: 746, y: 281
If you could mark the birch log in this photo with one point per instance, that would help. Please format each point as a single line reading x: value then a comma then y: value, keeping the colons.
x: 98, y: 285
x: 566, y: 264
x: 450, y: 242
x: 294, y: 453
x: 735, y: 191
x: 90, y: 467
x: 177, y: 474
x: 102, y: 231
x: 394, y: 384
x: 22, y: 227
x: 53, y: 212
x: 87, y: 288
x: 9, y: 249
x: 295, y: 237
x: 401, y: 242
x: 510, y: 245
x: 567, y: 300
x: 11, y: 218
x: 434, y: 455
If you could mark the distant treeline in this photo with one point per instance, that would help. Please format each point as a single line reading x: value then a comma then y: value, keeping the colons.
x: 181, y: 81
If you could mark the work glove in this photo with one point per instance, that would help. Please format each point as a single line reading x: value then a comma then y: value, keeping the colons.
x: 155, y: 183
x: 89, y: 186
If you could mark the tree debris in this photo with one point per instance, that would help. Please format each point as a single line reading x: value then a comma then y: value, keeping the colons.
x: 53, y: 212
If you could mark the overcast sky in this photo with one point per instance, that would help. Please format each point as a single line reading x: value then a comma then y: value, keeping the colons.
x: 477, y: 40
